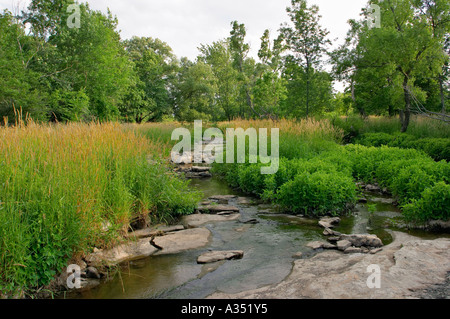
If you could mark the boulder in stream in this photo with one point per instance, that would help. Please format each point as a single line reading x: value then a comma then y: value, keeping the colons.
x: 196, y: 220
x: 244, y: 201
x: 360, y: 240
x: 212, y: 209
x: 372, y: 188
x: 149, y: 232
x: 177, y: 242
x: 213, y: 256
x: 128, y: 251
x: 343, y: 244
x: 320, y: 244
x: 353, y: 250
x: 222, y: 199
x: 170, y: 243
x: 329, y: 222
x: 330, y: 232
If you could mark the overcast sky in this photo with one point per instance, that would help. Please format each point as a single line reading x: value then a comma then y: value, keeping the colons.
x: 185, y: 24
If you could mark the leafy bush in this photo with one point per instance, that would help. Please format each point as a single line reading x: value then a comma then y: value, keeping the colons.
x: 250, y: 178
x: 433, y: 204
x: 317, y: 193
x: 406, y: 172
x: 437, y: 148
x: 312, y: 173
x: 375, y: 139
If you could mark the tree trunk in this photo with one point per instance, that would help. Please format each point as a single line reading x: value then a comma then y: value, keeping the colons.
x: 441, y: 85
x: 307, y: 89
x: 362, y: 113
x: 353, y: 93
x: 391, y: 110
x: 405, y: 117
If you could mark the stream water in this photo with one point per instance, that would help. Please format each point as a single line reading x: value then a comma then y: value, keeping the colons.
x: 268, y: 248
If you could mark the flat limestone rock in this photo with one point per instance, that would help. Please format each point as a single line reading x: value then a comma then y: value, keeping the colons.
x: 222, y: 197
x: 320, y: 244
x: 372, y: 188
x: 183, y: 240
x: 330, y: 232
x: 148, y: 232
x: 244, y: 201
x: 196, y: 220
x: 329, y: 222
x: 408, y: 266
x: 217, y: 208
x: 343, y: 244
x: 213, y: 256
x: 359, y: 240
x: 225, y: 213
x: 315, y: 245
x: 353, y: 250
x: 129, y: 251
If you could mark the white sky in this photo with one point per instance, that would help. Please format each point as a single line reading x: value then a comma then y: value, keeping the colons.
x: 185, y: 24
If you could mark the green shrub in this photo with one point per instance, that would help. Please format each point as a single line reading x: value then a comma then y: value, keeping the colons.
x: 318, y: 193
x: 437, y: 148
x: 354, y: 126
x: 375, y: 139
x: 312, y: 172
x: 410, y: 182
x: 433, y: 204
x: 250, y: 178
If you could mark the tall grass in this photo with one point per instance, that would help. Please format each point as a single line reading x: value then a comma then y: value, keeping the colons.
x: 298, y: 139
x: 60, y: 185
x: 419, y: 127
x: 305, y: 128
x: 159, y: 134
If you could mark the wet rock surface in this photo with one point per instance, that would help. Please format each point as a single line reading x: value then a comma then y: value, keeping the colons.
x: 177, y: 242
x: 196, y: 220
x: 329, y: 222
x: 408, y: 265
x: 359, y: 240
x: 440, y: 291
x: 148, y: 232
x: 343, y: 244
x: 319, y: 271
x: 128, y: 251
x: 169, y: 243
x: 213, y: 256
x: 212, y: 209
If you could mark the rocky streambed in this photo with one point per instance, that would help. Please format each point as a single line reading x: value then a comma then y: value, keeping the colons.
x: 237, y: 247
x: 234, y: 246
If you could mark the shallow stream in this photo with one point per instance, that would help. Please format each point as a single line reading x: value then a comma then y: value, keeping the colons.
x: 268, y: 248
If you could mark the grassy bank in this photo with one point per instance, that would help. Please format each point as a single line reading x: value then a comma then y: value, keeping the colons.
x: 420, y: 127
x: 68, y: 188
x: 317, y: 175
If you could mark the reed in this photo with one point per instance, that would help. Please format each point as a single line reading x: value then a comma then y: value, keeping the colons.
x: 65, y: 189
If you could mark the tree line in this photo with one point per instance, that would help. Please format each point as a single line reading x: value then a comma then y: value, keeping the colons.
x: 55, y: 72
